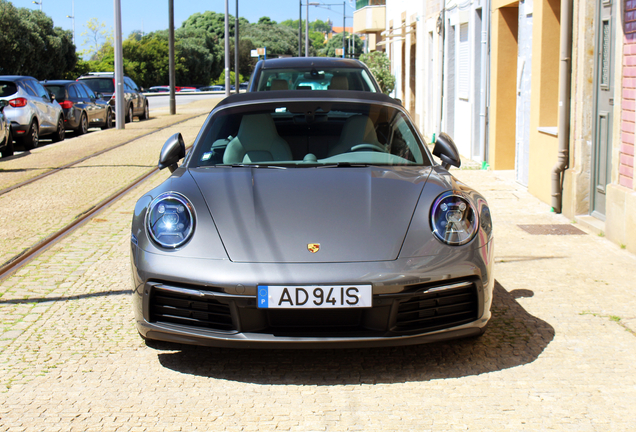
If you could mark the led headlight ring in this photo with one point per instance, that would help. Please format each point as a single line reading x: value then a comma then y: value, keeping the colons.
x: 454, y: 218
x: 170, y: 220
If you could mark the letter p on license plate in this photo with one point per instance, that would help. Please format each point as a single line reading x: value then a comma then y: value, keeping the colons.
x: 314, y: 297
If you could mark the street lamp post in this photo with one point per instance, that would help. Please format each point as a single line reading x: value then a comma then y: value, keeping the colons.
x: 227, y: 50
x: 38, y: 3
x: 307, y: 27
x: 236, y: 49
x: 72, y: 16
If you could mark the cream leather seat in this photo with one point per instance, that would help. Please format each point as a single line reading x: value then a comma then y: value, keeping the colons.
x: 358, y: 129
x: 257, y: 141
x: 279, y: 84
x: 339, y: 82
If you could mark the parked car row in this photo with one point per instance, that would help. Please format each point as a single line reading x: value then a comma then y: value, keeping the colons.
x: 30, y: 109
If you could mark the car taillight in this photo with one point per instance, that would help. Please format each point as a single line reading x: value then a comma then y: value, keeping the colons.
x: 66, y: 104
x: 18, y: 102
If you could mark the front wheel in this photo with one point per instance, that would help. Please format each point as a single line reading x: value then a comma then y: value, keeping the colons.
x: 60, y: 133
x: 32, y: 139
x: 8, y: 150
x: 83, y: 126
x: 146, y: 113
x: 129, y: 115
x: 109, y: 120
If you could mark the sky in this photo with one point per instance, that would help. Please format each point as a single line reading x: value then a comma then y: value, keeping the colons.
x: 152, y: 15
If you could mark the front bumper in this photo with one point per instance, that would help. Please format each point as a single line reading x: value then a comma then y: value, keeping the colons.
x: 415, y: 300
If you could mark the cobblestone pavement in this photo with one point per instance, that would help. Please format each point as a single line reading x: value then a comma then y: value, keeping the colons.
x: 558, y: 355
x: 33, y: 212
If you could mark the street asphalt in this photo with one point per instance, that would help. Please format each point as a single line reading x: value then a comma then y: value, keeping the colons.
x: 559, y: 353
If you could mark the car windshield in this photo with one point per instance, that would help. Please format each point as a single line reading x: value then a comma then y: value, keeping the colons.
x: 315, y: 79
x: 308, y: 134
x: 100, y: 85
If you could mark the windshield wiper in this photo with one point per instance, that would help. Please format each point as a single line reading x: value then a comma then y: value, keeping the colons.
x: 346, y: 164
x: 243, y: 165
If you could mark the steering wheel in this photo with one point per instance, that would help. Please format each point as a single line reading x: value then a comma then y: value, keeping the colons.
x: 373, y: 147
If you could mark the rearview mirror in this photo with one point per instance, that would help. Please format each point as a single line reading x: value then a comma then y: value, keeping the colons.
x: 3, y: 103
x: 446, y: 150
x: 172, y: 152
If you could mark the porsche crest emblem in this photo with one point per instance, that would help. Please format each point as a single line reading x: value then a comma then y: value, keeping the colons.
x: 313, y: 247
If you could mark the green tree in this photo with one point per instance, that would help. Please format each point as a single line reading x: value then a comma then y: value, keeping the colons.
x: 213, y: 22
x: 380, y: 66
x: 30, y: 45
x: 279, y: 39
x: 221, y: 79
x: 146, y: 60
x: 95, y: 36
x: 336, y: 42
x: 246, y: 61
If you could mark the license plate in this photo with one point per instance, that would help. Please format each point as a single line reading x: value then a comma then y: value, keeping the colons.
x: 317, y: 296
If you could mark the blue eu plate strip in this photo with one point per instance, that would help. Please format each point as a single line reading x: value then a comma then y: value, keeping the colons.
x: 262, y: 296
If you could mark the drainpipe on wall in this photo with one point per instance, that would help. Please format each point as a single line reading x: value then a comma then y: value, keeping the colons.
x: 564, y: 106
x: 441, y: 31
x: 483, y: 85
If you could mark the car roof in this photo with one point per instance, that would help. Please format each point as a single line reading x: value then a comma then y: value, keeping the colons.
x: 294, y: 62
x: 311, y: 95
x: 57, y: 82
x: 14, y: 77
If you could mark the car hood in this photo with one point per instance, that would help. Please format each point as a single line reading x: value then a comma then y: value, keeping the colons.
x: 272, y: 215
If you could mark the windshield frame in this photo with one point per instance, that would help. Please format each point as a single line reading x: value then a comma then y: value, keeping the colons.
x: 193, y: 158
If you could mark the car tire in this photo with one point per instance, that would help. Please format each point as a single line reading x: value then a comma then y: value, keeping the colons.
x: 83, y: 125
x: 60, y: 133
x: 129, y: 114
x: 8, y: 150
x: 146, y: 113
x: 32, y: 138
x: 109, y: 120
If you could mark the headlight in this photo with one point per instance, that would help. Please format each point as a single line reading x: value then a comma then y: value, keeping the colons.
x: 170, y: 220
x: 454, y: 219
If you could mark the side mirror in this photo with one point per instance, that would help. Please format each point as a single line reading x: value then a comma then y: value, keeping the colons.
x: 3, y: 103
x: 172, y: 152
x: 446, y: 150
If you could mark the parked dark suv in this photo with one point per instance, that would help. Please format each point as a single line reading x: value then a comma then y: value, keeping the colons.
x: 312, y: 73
x: 135, y: 104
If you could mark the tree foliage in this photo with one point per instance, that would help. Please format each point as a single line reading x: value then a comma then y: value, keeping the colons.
x: 380, y: 66
x: 279, y: 39
x: 336, y: 42
x: 30, y: 45
x: 96, y: 36
x: 314, y: 26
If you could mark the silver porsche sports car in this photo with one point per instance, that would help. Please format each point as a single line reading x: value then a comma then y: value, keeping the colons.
x: 311, y: 219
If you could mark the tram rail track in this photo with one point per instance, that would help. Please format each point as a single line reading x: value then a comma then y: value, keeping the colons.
x: 85, y: 158
x: 20, y: 260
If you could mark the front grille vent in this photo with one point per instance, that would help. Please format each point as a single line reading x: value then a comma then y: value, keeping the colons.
x: 437, y: 309
x: 185, y: 307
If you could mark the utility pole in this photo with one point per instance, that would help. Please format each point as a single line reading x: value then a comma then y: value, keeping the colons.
x: 171, y: 65
x: 307, y: 30
x: 300, y: 28
x: 344, y: 13
x: 120, y: 115
x: 72, y: 16
x: 227, y: 50
x: 236, y: 49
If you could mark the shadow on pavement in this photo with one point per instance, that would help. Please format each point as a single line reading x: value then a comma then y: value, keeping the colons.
x: 514, y: 337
